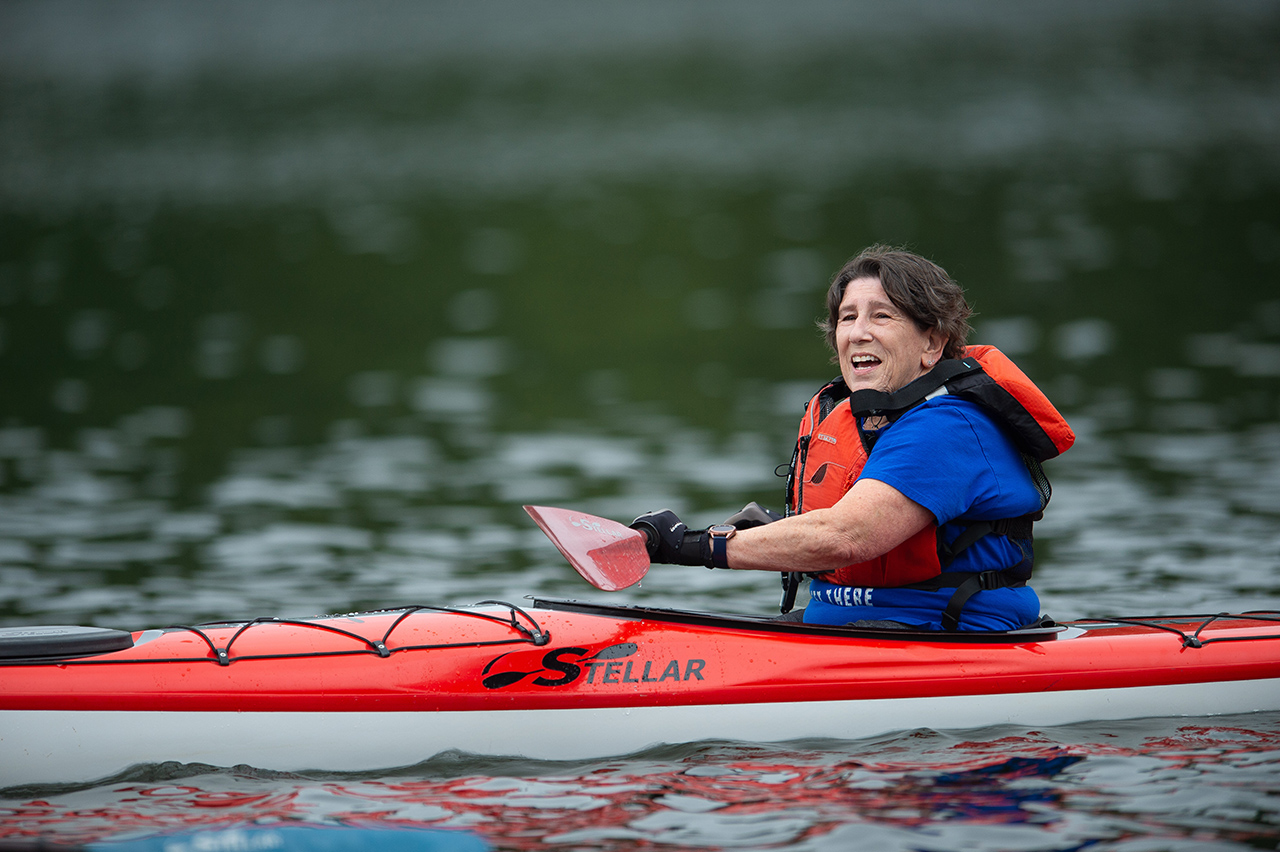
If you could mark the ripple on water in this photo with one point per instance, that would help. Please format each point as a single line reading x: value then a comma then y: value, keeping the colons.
x: 1134, y: 784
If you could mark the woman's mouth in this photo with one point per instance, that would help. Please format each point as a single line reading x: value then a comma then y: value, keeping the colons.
x: 863, y: 363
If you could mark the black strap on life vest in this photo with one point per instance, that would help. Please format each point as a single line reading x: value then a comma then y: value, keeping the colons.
x: 969, y: 583
x: 966, y: 378
x: 867, y: 403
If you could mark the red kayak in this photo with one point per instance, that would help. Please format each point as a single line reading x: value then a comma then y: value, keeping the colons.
x: 561, y: 679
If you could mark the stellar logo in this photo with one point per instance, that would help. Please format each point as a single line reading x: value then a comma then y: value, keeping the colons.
x: 596, y: 527
x: 610, y: 665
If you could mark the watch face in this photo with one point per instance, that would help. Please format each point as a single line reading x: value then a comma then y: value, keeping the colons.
x: 725, y: 530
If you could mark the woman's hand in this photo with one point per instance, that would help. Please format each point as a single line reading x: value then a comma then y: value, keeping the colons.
x: 671, y: 542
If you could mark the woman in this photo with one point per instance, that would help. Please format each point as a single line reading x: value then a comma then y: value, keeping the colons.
x: 916, y: 475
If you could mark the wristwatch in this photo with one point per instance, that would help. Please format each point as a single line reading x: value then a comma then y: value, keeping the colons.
x: 720, y: 535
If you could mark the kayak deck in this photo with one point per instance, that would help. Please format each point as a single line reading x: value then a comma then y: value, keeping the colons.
x: 572, y: 654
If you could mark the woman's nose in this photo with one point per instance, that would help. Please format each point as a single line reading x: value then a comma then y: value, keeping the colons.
x: 859, y: 329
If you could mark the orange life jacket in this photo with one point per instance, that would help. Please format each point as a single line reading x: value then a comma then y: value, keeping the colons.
x: 832, y: 448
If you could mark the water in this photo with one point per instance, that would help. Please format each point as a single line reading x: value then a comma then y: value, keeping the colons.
x: 1145, y: 785
x: 294, y: 316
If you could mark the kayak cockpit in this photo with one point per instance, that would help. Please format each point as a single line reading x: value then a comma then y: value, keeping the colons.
x: 1044, y: 630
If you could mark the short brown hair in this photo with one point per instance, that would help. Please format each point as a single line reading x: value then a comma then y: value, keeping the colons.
x: 918, y: 287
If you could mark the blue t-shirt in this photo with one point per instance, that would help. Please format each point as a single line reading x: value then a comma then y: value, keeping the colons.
x: 953, y: 459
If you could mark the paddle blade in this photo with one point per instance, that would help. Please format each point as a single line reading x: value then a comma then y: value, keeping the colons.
x: 608, y: 555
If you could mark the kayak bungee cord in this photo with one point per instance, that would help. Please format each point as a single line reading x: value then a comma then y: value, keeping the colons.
x: 1193, y: 640
x: 536, y: 634
x: 530, y: 634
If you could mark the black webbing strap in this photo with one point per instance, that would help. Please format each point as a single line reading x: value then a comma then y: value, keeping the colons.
x: 1019, y: 527
x: 969, y: 583
x: 867, y: 402
x: 973, y: 584
x: 948, y: 552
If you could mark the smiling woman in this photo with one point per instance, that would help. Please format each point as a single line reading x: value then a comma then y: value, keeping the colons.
x: 906, y: 302
x: 916, y: 477
x: 879, y: 346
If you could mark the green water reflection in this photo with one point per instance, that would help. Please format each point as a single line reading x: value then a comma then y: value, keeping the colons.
x: 304, y: 326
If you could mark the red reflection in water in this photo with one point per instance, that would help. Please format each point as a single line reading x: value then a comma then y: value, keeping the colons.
x: 913, y: 781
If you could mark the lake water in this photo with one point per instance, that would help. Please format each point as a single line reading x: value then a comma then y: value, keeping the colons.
x: 298, y: 308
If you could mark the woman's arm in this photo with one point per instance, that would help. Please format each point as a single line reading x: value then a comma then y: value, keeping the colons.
x: 871, y: 519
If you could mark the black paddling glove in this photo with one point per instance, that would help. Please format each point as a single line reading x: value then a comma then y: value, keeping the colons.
x: 670, y: 542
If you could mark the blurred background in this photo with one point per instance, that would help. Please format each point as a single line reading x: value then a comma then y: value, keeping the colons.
x: 299, y: 302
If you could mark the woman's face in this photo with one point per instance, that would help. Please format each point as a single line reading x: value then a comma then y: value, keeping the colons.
x: 878, y: 345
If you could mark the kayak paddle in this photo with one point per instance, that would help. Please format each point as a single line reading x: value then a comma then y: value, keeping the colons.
x: 608, y: 555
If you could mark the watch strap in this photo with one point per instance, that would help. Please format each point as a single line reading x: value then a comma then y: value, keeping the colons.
x: 720, y: 546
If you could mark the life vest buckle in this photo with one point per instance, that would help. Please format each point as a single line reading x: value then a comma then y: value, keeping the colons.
x: 988, y: 580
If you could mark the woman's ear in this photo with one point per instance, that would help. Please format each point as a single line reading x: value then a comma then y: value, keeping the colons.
x: 935, y: 343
